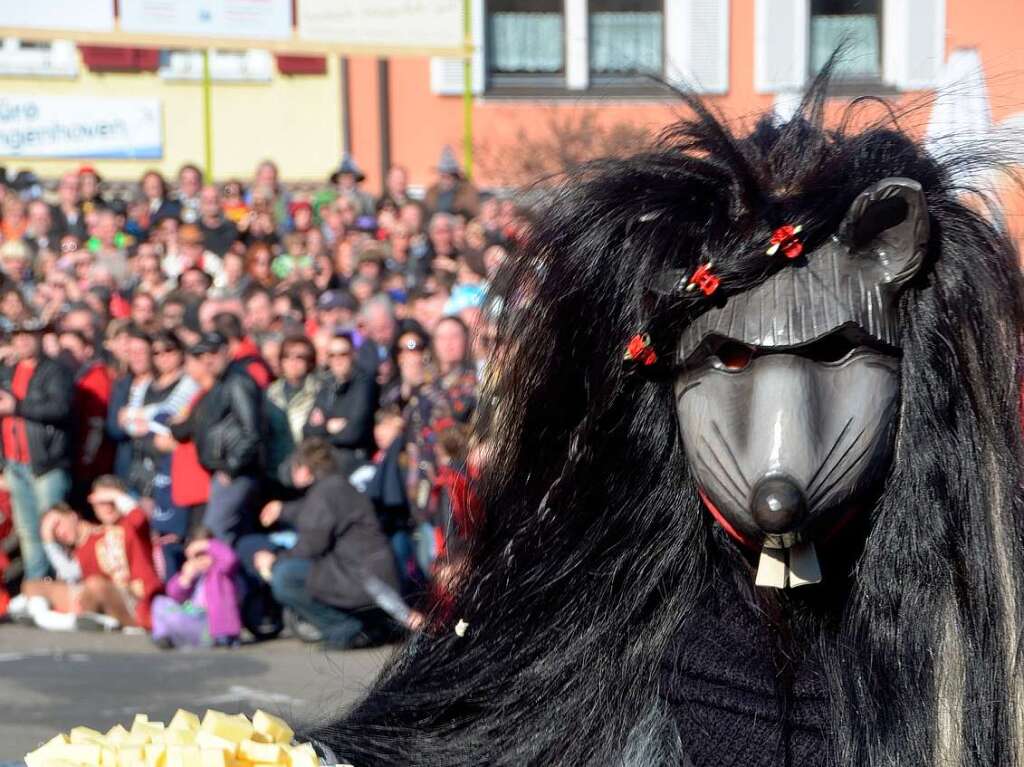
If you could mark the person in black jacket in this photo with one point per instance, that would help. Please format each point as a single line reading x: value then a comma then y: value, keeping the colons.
x: 226, y: 426
x: 344, y: 408
x: 340, y: 575
x: 35, y: 424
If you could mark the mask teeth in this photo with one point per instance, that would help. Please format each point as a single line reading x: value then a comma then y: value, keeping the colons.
x: 788, y: 568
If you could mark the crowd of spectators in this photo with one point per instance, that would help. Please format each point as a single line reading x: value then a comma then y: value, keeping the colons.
x: 231, y: 411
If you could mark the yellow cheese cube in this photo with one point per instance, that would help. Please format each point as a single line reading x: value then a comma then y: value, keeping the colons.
x: 183, y: 756
x: 80, y: 753
x: 207, y: 740
x: 213, y: 757
x: 178, y: 737
x: 274, y: 727
x: 268, y: 753
x: 150, y: 732
x: 156, y: 755
x: 183, y: 720
x: 108, y: 757
x: 233, y: 728
x: 134, y: 756
x: 260, y: 737
x: 117, y: 734
x: 303, y: 756
x: 140, y: 718
x: 85, y: 735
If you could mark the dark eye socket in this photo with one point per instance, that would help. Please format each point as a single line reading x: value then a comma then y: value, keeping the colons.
x: 731, y: 355
x: 834, y: 347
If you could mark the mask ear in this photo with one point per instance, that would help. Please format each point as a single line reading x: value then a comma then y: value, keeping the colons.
x: 888, y: 225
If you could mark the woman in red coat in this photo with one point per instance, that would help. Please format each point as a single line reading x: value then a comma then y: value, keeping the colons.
x: 118, y: 576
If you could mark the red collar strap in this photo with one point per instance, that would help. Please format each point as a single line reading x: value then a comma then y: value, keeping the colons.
x: 749, y: 542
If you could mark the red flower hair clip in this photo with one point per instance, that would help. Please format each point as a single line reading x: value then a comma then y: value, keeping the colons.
x: 703, y: 278
x: 640, y: 350
x: 785, y: 238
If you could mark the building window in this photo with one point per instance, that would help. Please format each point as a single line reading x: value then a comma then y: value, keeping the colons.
x: 57, y: 58
x: 855, y: 26
x: 225, y: 66
x: 626, y: 38
x: 525, y: 39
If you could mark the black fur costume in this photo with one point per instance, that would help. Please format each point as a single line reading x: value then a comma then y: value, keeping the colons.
x: 610, y: 620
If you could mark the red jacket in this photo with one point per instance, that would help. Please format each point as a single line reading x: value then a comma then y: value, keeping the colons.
x: 93, y: 452
x: 123, y: 554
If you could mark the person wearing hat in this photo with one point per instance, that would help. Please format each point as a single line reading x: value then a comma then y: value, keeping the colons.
x: 35, y: 434
x: 346, y: 180
x: 335, y: 310
x: 226, y: 426
x: 453, y: 193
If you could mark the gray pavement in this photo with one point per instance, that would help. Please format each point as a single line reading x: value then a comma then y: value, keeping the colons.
x: 51, y: 682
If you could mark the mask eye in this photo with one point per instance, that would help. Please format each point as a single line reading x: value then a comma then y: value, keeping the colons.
x: 731, y: 355
x: 835, y: 347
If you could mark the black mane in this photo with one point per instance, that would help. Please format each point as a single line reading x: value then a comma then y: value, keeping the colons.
x: 596, y: 549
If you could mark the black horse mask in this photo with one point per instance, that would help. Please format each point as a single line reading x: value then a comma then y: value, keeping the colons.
x: 789, y: 392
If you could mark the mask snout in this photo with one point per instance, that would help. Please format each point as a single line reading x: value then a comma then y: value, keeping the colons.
x: 778, y: 505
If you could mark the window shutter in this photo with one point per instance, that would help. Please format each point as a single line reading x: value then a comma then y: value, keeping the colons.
x: 301, y: 65
x: 109, y: 58
x: 577, y: 45
x: 697, y: 44
x: 446, y: 73
x: 914, y: 42
x: 780, y: 44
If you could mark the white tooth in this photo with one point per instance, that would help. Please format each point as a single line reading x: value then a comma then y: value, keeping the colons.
x: 772, y: 571
x: 804, y: 567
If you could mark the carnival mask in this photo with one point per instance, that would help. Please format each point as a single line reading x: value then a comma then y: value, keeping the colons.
x: 788, y: 395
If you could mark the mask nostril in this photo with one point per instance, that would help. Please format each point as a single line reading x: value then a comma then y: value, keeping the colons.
x: 778, y: 504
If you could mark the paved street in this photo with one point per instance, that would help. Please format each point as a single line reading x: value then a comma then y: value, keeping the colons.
x: 51, y: 682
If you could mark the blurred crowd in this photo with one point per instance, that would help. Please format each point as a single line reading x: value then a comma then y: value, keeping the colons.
x: 231, y: 411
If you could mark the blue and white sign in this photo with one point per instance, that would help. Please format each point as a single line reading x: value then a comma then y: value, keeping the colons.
x: 75, y: 126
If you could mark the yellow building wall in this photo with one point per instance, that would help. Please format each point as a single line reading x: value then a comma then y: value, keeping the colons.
x: 294, y: 120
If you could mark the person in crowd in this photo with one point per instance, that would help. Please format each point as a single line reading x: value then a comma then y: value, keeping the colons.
x: 233, y: 202
x: 340, y: 570
x: 124, y: 419
x: 173, y: 310
x: 156, y: 193
x: 290, y: 400
x: 396, y: 188
x: 190, y: 182
x: 259, y: 260
x: 259, y: 312
x: 343, y: 412
x: 166, y: 400
x: 149, y: 272
x: 200, y: 607
x: 67, y: 212
x: 346, y: 180
x: 233, y: 280
x: 378, y: 327
x: 90, y: 189
x: 93, y: 452
x: 118, y: 575
x: 40, y: 232
x: 36, y: 395
x: 245, y: 354
x: 219, y: 233
x: 226, y: 426
x: 410, y: 354
x: 452, y: 193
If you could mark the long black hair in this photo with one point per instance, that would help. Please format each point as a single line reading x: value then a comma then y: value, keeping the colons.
x: 595, y: 548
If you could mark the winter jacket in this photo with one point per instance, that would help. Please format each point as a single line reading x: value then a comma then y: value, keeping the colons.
x: 339, y: 532
x: 354, y: 400
x: 47, y: 412
x: 226, y: 426
x: 286, y: 419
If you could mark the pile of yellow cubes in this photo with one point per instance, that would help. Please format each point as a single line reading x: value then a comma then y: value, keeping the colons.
x: 219, y: 740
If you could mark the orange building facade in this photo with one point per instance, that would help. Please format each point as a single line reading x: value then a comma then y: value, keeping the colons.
x: 745, y: 56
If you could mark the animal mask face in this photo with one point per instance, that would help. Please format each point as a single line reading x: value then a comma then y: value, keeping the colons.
x: 789, y: 393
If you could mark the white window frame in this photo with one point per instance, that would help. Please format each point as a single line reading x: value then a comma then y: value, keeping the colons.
x: 57, y: 58
x: 249, y: 66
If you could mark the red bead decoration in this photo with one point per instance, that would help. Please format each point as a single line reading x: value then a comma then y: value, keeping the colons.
x: 705, y: 280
